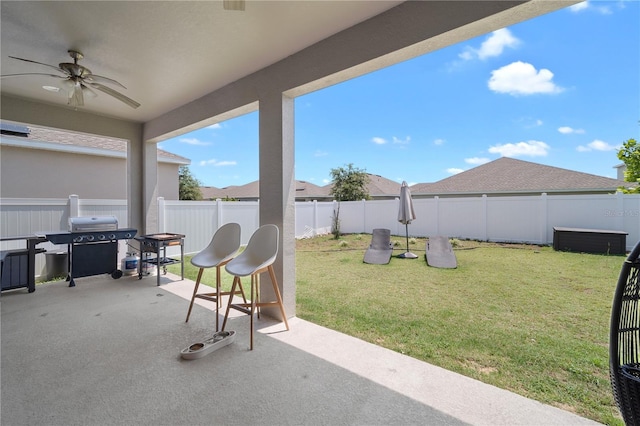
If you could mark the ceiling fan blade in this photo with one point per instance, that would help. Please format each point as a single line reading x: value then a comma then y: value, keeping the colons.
x: 76, y: 97
x: 33, y: 73
x: 233, y: 4
x: 39, y: 63
x: 89, y: 90
x: 119, y: 96
x: 100, y: 79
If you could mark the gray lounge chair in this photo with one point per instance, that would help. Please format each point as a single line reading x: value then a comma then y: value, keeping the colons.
x: 439, y: 253
x: 380, y: 249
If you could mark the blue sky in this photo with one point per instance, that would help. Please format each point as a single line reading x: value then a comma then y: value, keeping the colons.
x: 562, y: 89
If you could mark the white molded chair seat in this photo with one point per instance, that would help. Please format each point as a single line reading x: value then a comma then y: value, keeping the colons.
x: 223, y: 247
x: 258, y: 257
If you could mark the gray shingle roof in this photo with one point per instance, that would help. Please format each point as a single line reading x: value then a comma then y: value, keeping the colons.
x: 378, y: 186
x: 508, y: 175
x: 252, y: 191
x: 60, y: 137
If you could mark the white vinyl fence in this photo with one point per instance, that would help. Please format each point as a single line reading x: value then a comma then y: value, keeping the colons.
x: 502, y: 219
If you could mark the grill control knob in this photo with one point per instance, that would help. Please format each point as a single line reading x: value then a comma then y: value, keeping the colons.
x: 127, y: 235
x: 78, y: 239
x: 101, y: 237
x: 90, y: 237
x: 112, y: 236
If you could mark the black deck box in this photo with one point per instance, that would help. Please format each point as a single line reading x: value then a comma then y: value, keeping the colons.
x: 597, y: 241
x: 14, y: 269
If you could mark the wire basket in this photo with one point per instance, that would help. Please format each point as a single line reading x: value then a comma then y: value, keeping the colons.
x: 624, y: 340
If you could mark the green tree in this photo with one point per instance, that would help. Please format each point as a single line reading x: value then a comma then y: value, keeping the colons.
x: 630, y: 156
x: 349, y: 184
x: 189, y: 186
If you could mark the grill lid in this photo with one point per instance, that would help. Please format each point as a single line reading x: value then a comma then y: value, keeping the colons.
x: 92, y: 224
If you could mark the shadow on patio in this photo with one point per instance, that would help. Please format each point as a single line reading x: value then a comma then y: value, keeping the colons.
x: 108, y: 352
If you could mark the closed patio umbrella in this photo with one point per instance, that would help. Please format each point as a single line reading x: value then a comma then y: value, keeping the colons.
x: 405, y: 216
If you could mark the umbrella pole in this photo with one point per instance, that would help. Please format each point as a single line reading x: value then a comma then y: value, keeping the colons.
x: 407, y: 254
x: 406, y: 228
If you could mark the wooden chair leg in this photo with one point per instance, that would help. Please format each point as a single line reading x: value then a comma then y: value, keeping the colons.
x: 195, y: 291
x: 236, y: 280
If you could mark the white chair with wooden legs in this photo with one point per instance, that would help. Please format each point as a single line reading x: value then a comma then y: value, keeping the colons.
x: 223, y: 247
x: 257, y: 258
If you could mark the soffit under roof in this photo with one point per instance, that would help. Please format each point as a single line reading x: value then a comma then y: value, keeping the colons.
x: 166, y: 53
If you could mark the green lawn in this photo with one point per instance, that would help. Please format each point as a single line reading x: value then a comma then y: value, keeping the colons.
x: 523, y: 318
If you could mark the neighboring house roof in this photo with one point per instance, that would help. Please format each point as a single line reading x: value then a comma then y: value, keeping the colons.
x: 59, y: 140
x: 510, y: 176
x: 378, y: 187
x: 504, y: 176
x: 251, y: 191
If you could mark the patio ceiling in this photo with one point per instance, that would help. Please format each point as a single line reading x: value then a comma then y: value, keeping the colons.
x: 171, y: 53
x: 166, y: 53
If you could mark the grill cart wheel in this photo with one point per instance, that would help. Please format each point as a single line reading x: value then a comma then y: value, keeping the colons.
x: 116, y: 274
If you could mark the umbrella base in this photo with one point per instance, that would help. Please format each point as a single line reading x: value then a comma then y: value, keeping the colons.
x: 407, y: 255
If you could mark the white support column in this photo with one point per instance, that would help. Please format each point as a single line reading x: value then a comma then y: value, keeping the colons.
x: 150, y: 186
x: 142, y: 183
x: 277, y: 190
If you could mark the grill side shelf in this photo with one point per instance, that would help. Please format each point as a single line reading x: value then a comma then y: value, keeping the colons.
x: 153, y: 251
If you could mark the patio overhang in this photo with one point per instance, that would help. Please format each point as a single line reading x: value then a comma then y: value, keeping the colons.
x: 373, y: 39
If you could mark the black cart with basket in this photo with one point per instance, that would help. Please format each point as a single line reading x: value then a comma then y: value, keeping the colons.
x: 624, y: 340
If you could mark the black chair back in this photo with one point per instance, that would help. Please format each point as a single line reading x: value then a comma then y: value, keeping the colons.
x: 624, y: 340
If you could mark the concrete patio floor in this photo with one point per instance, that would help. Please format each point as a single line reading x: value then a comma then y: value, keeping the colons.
x: 107, y: 352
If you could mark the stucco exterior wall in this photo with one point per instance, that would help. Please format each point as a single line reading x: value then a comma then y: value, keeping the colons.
x: 34, y: 173
x: 168, y: 180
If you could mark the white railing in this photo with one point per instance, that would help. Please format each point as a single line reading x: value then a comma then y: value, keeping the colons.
x: 505, y: 219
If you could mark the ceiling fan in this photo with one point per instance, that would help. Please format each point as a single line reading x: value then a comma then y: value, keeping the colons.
x: 80, y: 80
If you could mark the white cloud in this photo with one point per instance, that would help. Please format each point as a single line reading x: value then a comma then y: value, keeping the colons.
x: 194, y: 141
x: 588, y: 5
x: 566, y: 130
x: 529, y: 149
x: 454, y: 171
x: 579, y: 6
x: 439, y: 142
x: 493, y: 45
x: 319, y: 153
x: 215, y: 126
x: 225, y: 163
x: 404, y: 141
x: 596, y: 145
x: 521, y: 78
x: 217, y: 163
x: 326, y: 181
x: 378, y: 141
x: 476, y: 160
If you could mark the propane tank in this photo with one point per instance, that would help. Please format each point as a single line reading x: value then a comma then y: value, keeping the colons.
x: 130, y: 264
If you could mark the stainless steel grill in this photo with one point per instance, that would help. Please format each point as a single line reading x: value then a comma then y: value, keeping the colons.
x: 92, y: 245
x: 93, y: 224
